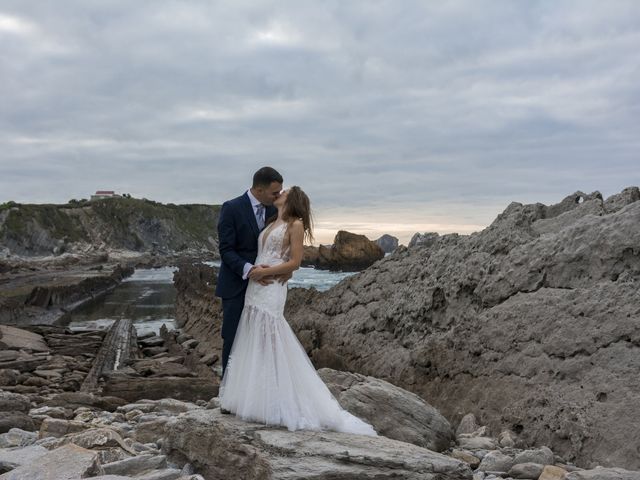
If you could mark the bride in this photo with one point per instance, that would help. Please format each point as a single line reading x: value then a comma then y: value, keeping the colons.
x: 269, y: 378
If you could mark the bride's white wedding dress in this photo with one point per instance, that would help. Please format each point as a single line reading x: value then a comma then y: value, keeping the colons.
x: 269, y: 377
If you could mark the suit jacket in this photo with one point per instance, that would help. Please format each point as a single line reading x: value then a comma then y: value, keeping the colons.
x: 238, y: 243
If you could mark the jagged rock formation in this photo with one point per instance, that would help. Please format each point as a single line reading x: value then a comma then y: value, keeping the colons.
x: 198, y: 310
x: 349, y: 253
x: 113, y: 223
x: 387, y: 243
x: 533, y: 324
x: 427, y: 239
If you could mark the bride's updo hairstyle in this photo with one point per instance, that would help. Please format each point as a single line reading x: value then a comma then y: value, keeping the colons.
x: 299, y: 206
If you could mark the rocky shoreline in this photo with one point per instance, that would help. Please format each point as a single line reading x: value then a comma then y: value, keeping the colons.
x: 81, y: 435
x: 532, y: 325
x: 513, y: 353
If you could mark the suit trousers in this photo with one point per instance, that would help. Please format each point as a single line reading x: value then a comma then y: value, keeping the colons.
x: 231, y: 312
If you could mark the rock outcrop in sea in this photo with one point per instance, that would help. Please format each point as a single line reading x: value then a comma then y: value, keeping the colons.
x: 350, y: 252
x: 387, y: 243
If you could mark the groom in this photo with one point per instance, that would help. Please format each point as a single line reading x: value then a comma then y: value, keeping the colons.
x: 239, y: 225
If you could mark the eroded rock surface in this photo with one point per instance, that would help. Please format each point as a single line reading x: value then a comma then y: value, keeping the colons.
x: 533, y: 324
x: 225, y: 447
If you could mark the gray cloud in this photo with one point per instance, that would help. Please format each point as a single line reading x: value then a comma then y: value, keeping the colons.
x: 449, y: 109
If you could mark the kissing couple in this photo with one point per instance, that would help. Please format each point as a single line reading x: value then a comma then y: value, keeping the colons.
x: 267, y: 376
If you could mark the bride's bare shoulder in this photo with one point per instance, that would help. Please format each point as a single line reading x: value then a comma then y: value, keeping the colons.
x: 296, y: 226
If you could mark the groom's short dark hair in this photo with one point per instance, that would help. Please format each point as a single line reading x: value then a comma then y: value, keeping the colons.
x: 266, y: 176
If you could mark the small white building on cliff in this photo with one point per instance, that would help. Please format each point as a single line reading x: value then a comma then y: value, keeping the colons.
x: 104, y: 194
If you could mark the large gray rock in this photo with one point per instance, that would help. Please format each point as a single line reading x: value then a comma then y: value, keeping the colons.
x: 496, y: 461
x: 224, y: 447
x: 17, y: 438
x: 135, y: 465
x: 533, y: 323
x: 543, y: 456
x: 393, y: 411
x: 11, y: 458
x: 10, y: 420
x: 18, y: 339
x: 604, y: 474
x: 14, y: 402
x: 94, y: 438
x: 81, y: 399
x: 66, y: 463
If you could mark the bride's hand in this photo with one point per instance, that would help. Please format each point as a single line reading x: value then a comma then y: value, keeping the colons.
x: 258, y: 272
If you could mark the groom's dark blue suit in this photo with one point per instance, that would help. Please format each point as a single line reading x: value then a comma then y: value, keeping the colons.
x: 238, y: 244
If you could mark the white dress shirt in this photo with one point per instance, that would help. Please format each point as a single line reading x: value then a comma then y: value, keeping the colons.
x: 254, y: 203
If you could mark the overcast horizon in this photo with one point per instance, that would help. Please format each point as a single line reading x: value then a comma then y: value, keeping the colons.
x: 395, y: 117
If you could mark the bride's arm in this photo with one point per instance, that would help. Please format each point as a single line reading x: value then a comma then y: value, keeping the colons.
x: 296, y: 245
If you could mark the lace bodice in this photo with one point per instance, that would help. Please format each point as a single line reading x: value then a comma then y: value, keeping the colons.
x: 270, y: 245
x: 272, y: 297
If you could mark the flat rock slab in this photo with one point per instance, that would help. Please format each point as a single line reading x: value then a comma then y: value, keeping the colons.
x: 12, y: 338
x: 11, y: 458
x: 181, y: 388
x: 66, y: 463
x: 225, y: 447
x: 604, y: 474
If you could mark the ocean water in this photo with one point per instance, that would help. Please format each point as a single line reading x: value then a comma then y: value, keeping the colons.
x: 310, y: 277
x: 148, y: 298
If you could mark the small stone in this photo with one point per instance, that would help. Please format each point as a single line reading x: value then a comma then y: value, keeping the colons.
x: 17, y: 438
x: 54, y: 427
x: 165, y: 474
x: 506, y: 440
x: 154, y: 341
x: 209, y: 359
x: 478, y: 443
x: 10, y: 420
x: 526, y: 470
x: 36, y: 382
x: 8, y: 377
x: 466, y: 457
x: 190, y: 344
x: 49, y: 374
x: 135, y: 465
x: 133, y: 415
x: 496, y: 461
x: 13, y: 402
x: 151, y: 351
x: 551, y: 472
x: 468, y: 424
x: 542, y: 455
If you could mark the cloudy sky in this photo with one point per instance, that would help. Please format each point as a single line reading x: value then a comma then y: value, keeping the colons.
x: 395, y: 116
